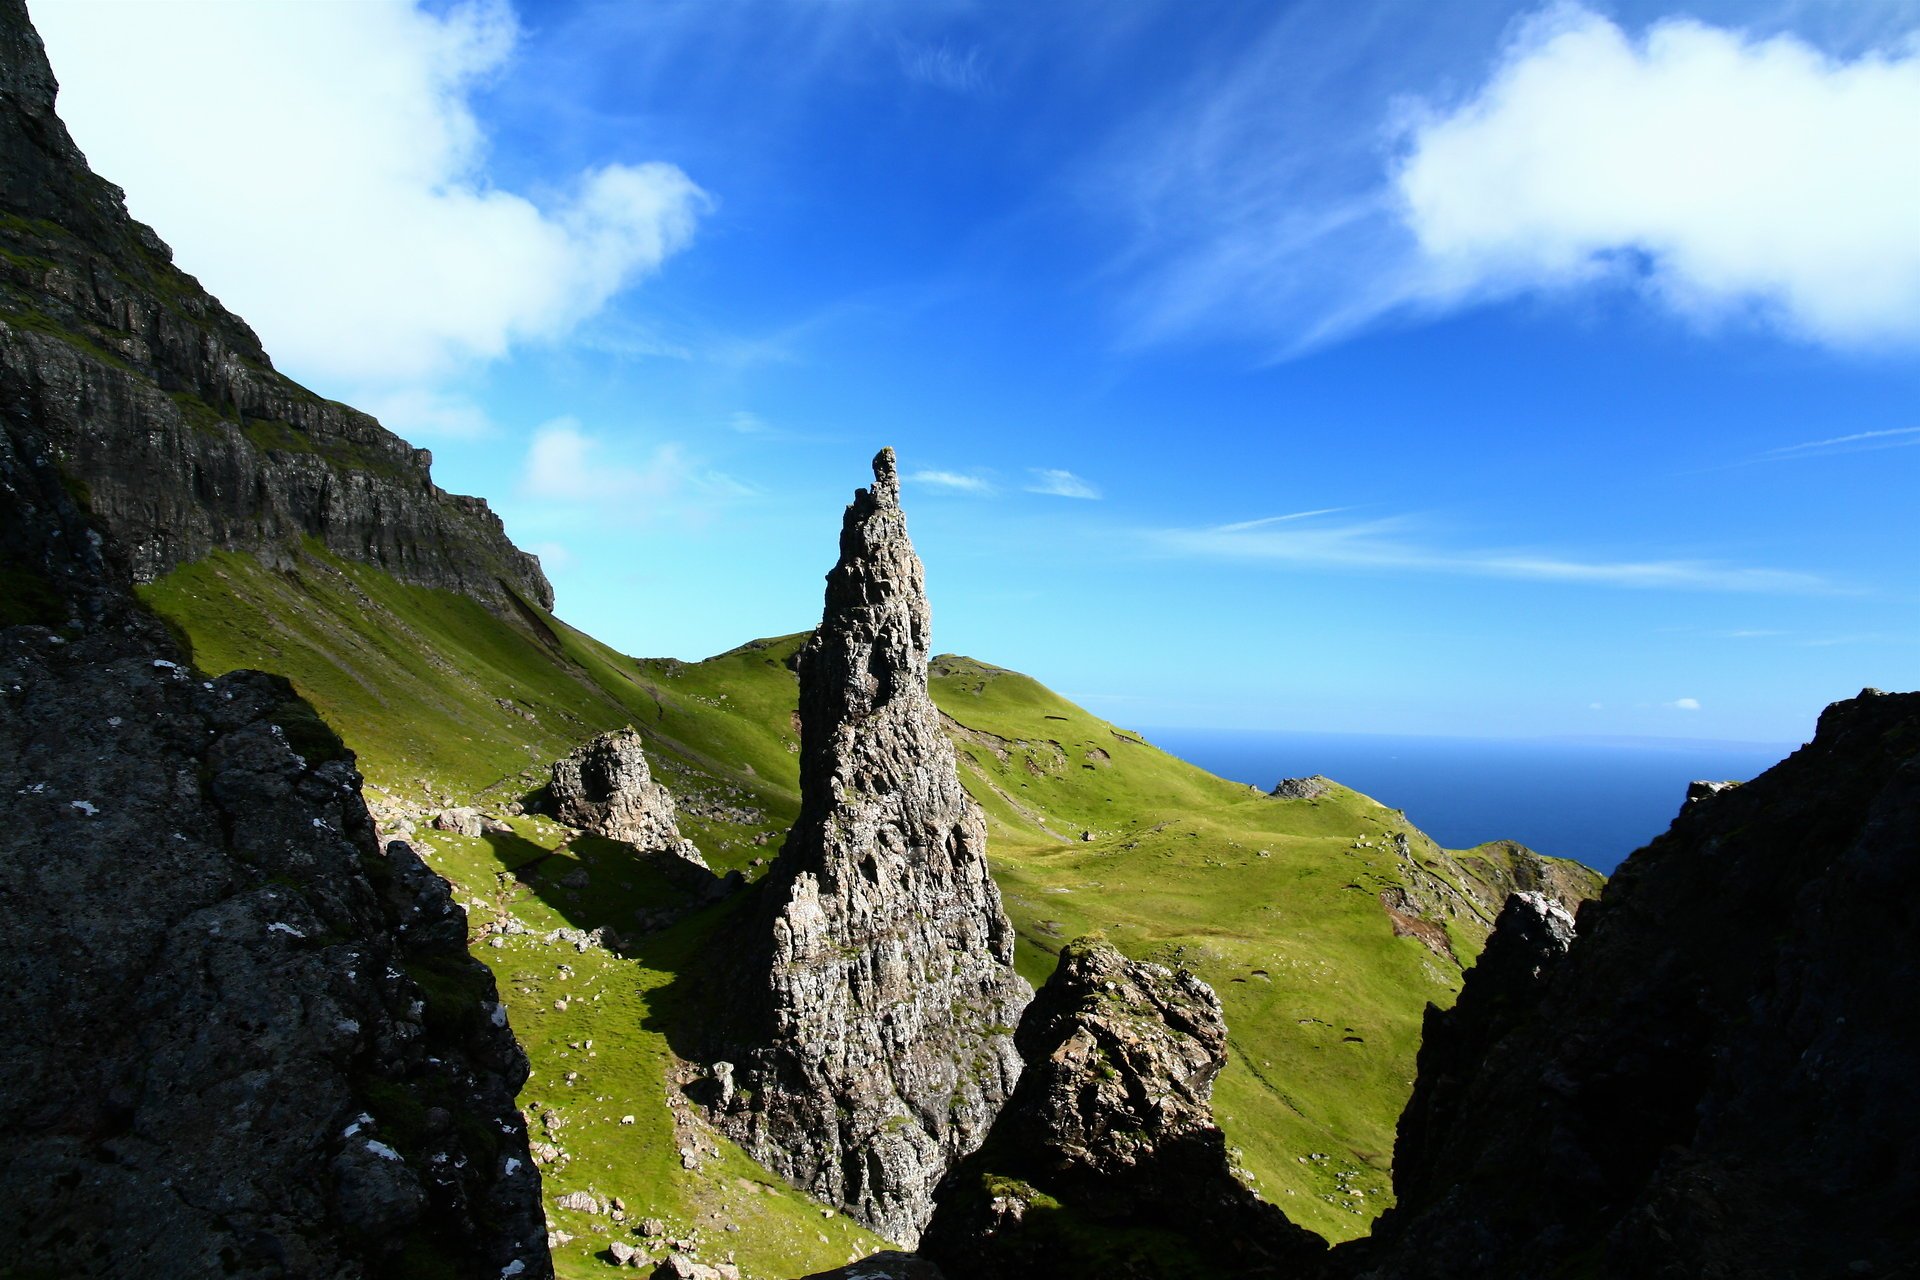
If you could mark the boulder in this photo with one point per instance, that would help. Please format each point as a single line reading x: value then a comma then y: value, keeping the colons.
x: 606, y: 787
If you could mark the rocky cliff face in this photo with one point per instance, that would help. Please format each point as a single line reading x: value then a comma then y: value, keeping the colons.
x: 876, y: 1041
x: 604, y: 786
x: 241, y: 1038
x: 1715, y: 1079
x: 1109, y: 1137
x: 160, y: 408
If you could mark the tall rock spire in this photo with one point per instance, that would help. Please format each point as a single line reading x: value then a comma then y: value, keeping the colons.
x: 882, y: 995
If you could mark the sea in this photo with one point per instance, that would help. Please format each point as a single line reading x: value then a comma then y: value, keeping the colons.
x: 1594, y: 800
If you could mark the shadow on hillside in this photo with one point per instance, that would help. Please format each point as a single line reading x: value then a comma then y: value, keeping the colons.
x: 656, y: 910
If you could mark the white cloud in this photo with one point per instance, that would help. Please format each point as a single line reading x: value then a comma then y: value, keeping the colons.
x: 1685, y: 704
x: 1316, y: 184
x: 1397, y: 544
x: 319, y: 167
x: 958, y: 482
x: 1725, y: 174
x: 568, y: 470
x: 424, y: 413
x: 1060, y: 484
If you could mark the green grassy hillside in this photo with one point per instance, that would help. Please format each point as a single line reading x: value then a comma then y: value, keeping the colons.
x: 1277, y: 903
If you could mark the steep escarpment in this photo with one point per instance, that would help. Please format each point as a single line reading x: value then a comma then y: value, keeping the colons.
x: 242, y: 1038
x: 160, y: 409
x: 1107, y: 1159
x: 878, y: 983
x: 1715, y: 1078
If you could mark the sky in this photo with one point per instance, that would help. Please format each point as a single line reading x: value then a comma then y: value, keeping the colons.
x: 1485, y: 369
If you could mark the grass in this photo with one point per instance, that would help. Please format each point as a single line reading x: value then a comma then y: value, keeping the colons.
x: 1275, y: 903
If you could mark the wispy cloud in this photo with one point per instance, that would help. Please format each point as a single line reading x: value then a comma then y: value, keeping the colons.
x: 956, y: 69
x: 1685, y: 704
x: 1859, y: 441
x: 955, y: 481
x: 1400, y: 544
x: 1060, y: 484
x: 1243, y: 525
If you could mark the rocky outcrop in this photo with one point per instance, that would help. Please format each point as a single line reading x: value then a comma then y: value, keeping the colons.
x: 1530, y: 937
x: 1715, y: 1079
x: 1108, y: 1150
x: 1301, y: 788
x: 162, y: 412
x: 604, y: 786
x: 242, y: 1039
x: 877, y: 1000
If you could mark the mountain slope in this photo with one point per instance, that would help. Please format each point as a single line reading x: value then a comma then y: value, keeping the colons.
x: 1277, y: 903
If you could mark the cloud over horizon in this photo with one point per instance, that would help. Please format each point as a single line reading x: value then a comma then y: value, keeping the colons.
x: 352, y: 218
x: 1397, y: 543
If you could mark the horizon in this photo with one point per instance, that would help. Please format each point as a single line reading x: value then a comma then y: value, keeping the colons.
x: 1527, y: 371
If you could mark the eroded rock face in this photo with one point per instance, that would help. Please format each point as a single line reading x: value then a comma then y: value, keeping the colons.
x: 879, y: 999
x: 1111, y: 1127
x: 605, y: 787
x: 1715, y: 1080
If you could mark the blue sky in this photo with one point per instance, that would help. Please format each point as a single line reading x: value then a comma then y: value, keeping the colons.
x: 1478, y: 369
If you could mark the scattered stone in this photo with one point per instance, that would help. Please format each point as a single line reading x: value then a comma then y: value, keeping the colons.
x: 460, y: 821
x: 580, y: 1202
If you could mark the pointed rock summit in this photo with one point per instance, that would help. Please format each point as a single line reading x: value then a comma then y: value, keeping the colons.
x: 880, y: 991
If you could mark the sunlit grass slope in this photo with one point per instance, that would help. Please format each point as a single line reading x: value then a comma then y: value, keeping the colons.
x: 1276, y: 903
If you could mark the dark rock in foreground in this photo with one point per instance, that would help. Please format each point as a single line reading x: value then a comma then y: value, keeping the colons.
x: 241, y: 1039
x: 1716, y: 1079
x: 1107, y: 1160
x: 883, y: 1266
x: 604, y: 786
x: 877, y: 992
